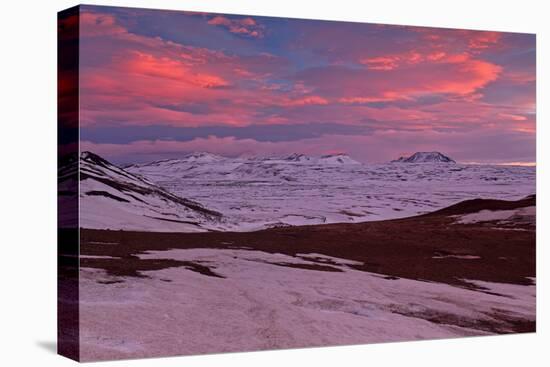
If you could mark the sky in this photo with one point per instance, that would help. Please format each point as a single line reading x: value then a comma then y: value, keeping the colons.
x: 160, y: 84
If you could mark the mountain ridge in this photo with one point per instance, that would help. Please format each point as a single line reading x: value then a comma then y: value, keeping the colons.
x: 206, y: 157
x: 425, y: 157
x: 133, y: 201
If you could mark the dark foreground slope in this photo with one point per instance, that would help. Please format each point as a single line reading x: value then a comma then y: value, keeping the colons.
x: 433, y: 247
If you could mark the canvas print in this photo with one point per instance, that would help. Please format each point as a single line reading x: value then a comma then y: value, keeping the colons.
x: 233, y: 183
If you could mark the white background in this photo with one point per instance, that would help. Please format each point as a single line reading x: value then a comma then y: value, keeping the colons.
x: 28, y: 181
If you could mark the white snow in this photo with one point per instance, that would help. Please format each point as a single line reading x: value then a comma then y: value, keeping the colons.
x: 255, y: 193
x: 337, y: 159
x: 112, y: 198
x: 260, y: 305
x: 103, y: 213
x: 497, y: 215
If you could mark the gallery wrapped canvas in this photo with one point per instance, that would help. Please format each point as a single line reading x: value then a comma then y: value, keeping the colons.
x: 234, y: 183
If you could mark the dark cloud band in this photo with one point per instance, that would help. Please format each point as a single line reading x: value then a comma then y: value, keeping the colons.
x: 264, y: 133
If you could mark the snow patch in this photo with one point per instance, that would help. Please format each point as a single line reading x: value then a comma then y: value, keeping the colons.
x: 497, y: 215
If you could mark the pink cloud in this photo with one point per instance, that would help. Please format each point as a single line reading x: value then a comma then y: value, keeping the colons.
x: 396, y: 78
x: 244, y: 26
x: 307, y: 100
x: 167, y: 68
x: 385, y: 97
x: 483, y: 40
x: 381, y: 62
x: 135, y: 79
x: 466, y: 40
x: 96, y: 24
x: 510, y: 116
x: 469, y: 76
x: 519, y: 76
x: 391, y: 62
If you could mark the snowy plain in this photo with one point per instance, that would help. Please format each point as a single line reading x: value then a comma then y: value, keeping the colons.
x: 257, y: 193
x: 261, y: 305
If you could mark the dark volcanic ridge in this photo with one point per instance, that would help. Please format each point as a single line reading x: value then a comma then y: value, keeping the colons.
x: 425, y: 157
x: 476, y: 205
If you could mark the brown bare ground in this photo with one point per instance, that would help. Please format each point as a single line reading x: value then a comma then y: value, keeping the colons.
x: 404, y: 248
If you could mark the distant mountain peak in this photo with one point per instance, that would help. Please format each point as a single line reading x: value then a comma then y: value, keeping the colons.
x: 202, y: 157
x: 92, y: 157
x: 195, y: 157
x: 334, y: 155
x: 202, y: 154
x: 297, y: 157
x: 425, y: 157
x: 337, y: 158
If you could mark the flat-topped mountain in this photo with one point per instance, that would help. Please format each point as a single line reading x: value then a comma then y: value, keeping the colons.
x: 425, y: 157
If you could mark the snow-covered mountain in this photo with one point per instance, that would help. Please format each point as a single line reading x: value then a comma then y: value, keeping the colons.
x: 113, y: 198
x: 299, y: 158
x: 197, y: 157
x: 425, y: 157
x: 337, y: 159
